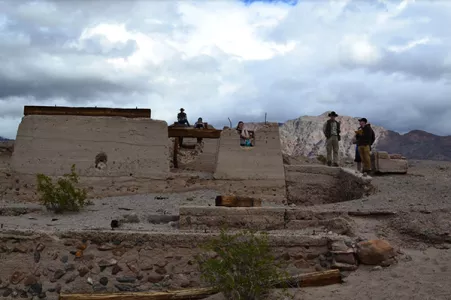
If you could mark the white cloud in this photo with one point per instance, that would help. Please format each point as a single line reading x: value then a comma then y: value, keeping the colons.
x: 220, y: 59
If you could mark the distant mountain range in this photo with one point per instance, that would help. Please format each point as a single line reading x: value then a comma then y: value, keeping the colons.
x: 3, y: 139
x: 303, y: 137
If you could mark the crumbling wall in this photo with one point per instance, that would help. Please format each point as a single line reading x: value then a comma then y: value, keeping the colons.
x: 261, y: 162
x: 43, y: 265
x: 318, y: 184
x: 98, y: 146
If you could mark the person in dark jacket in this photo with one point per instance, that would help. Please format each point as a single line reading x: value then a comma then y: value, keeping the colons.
x: 331, y: 130
x: 365, y: 138
x: 182, y: 119
x: 357, y: 158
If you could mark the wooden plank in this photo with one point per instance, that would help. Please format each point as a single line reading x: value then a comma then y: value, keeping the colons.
x: 302, y: 280
x: 87, y: 111
x: 194, y: 133
x: 237, y: 201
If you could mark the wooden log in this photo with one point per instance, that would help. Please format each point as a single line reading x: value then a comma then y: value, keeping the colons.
x: 302, y: 280
x: 193, y: 133
x: 322, y: 278
x: 237, y: 201
x: 87, y: 111
x: 199, y: 293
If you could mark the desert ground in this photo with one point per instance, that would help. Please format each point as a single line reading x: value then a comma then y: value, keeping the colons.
x: 420, y: 228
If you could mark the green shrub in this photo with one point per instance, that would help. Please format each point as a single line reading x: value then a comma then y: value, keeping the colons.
x: 63, y: 196
x: 240, y: 265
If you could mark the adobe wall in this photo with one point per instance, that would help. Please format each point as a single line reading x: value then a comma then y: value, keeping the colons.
x: 319, y: 184
x: 136, y: 148
x: 261, y: 162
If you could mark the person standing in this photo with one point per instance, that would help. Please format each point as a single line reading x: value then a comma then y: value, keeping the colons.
x: 365, y: 138
x: 331, y: 130
x: 357, y: 158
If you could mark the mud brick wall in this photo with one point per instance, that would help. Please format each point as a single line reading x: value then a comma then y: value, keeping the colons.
x: 317, y: 184
x: 74, y: 262
x: 51, y: 144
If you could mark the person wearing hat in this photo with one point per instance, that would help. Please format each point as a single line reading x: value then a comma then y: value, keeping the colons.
x: 331, y: 130
x: 182, y: 119
x: 365, y: 138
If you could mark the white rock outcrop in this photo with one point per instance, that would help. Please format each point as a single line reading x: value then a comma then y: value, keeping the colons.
x: 304, y: 136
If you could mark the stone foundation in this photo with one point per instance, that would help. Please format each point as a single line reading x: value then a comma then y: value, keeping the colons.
x: 318, y: 184
x: 42, y: 264
x: 383, y: 162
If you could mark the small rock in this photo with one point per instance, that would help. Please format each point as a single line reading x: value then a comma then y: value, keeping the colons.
x: 154, y: 277
x: 126, y: 288
x: 116, y: 269
x: 103, y: 281
x: 69, y: 267
x: 105, y: 247
x: 36, y: 288
x: 98, y: 288
x: 64, y: 259
x: 17, y: 277
x: 57, y: 275
x: 388, y: 262
x: 343, y: 266
x: 126, y: 279
x: 374, y: 252
x: 347, y: 258
x: 42, y: 295
x: 182, y: 280
x: 339, y: 246
x: 71, y: 278
x: 7, y: 292
x: 90, y: 281
x: 376, y: 268
x: 339, y: 226
x: 36, y: 256
x: 119, y: 252
x: 133, y: 266
x: 82, y: 271
x: 30, y: 280
x: 23, y: 294
x: 107, y: 263
x: 160, y: 270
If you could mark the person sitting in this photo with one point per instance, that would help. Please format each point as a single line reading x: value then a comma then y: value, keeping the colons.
x: 182, y: 119
x: 245, y: 136
x: 199, y: 124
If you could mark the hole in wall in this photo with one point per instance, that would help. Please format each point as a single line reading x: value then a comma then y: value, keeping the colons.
x: 101, y: 160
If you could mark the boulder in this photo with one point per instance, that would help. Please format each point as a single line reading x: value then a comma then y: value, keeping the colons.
x: 374, y: 252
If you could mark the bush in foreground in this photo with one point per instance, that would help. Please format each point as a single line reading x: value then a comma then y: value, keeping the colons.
x: 62, y: 196
x: 240, y: 265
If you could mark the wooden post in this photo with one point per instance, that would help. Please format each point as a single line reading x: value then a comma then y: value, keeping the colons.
x: 174, y: 153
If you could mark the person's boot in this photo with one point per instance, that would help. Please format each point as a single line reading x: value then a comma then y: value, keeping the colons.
x: 334, y: 164
x: 329, y: 163
x: 359, y: 166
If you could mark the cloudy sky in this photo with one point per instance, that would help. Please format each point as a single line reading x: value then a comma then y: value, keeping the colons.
x: 387, y: 60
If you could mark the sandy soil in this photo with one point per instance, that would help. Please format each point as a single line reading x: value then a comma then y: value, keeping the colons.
x: 422, y: 228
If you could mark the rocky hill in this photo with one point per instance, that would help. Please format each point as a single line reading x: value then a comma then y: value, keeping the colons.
x: 304, y: 137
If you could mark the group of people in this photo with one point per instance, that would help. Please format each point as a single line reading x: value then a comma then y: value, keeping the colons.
x: 182, y: 119
x: 363, y: 139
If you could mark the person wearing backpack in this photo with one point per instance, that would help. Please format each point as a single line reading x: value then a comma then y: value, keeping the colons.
x: 365, y: 138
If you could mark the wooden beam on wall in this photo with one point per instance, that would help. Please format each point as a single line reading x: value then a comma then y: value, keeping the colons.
x: 87, y: 111
x: 194, y: 133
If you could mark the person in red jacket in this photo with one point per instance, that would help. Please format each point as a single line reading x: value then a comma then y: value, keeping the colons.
x: 365, y: 138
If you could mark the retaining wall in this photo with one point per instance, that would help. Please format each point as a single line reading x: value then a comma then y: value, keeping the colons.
x: 135, y: 148
x: 43, y: 265
x: 317, y: 184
